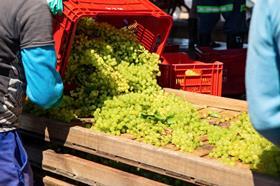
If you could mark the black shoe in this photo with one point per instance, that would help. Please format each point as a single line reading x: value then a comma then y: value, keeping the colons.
x: 235, y: 40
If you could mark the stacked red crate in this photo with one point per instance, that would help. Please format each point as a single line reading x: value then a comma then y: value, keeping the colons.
x: 179, y: 71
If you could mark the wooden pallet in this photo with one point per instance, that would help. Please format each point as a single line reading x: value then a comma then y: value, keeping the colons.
x: 82, y: 170
x: 176, y: 164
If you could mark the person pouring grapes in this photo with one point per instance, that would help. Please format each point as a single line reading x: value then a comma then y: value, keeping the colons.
x: 27, y: 66
x: 263, y: 69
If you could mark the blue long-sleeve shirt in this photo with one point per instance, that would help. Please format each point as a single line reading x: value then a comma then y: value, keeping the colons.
x: 44, y: 84
x: 263, y: 69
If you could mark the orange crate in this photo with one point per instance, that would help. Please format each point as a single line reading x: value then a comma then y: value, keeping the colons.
x: 152, y: 30
x: 179, y: 71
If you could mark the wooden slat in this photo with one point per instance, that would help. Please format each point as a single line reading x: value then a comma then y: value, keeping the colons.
x: 42, y: 177
x: 50, y: 181
x: 211, y: 101
x: 181, y: 165
x: 83, y: 170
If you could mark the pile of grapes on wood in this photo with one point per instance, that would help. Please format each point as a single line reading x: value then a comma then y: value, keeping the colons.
x: 111, y: 78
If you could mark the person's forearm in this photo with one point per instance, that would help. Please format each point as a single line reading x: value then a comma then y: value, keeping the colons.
x: 44, y: 85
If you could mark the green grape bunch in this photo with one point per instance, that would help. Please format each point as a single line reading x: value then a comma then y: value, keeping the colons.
x: 158, y: 119
x: 104, y: 62
x: 241, y: 143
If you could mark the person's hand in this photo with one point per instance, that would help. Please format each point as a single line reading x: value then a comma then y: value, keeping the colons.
x: 56, y: 6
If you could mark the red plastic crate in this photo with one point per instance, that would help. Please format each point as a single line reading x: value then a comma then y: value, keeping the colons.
x: 179, y: 71
x: 234, y: 61
x: 169, y: 48
x: 153, y: 25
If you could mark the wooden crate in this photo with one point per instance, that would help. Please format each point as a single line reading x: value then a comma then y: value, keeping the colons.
x: 81, y: 170
x: 184, y: 166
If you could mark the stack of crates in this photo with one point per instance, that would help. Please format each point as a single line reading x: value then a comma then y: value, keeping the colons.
x: 152, y: 29
x: 179, y: 71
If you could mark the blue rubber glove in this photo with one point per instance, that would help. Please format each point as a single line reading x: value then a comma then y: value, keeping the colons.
x: 56, y: 6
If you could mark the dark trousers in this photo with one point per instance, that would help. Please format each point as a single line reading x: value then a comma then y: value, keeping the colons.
x: 209, y: 12
x: 14, y: 166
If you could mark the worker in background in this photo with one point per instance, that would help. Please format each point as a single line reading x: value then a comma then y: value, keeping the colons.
x: 209, y: 13
x: 263, y: 69
x: 27, y: 64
